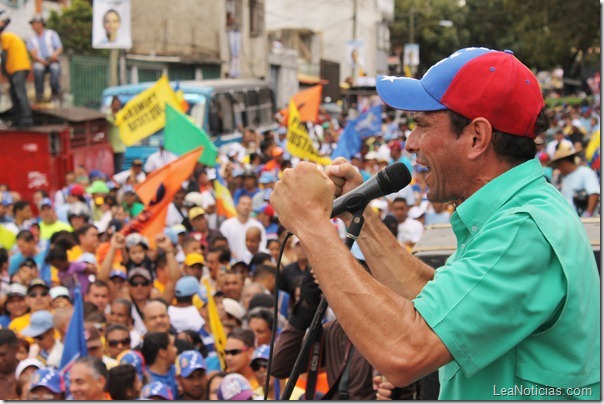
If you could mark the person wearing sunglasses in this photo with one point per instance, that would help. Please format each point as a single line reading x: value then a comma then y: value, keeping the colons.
x: 95, y: 346
x: 117, y: 339
x: 239, y: 349
x: 37, y: 298
x: 41, y: 329
x: 259, y: 365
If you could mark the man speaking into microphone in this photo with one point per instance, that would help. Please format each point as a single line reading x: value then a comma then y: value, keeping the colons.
x: 515, y: 311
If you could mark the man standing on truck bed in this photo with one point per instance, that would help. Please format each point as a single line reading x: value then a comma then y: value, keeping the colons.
x: 16, y: 67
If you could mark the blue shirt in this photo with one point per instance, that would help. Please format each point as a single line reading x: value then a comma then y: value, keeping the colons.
x: 169, y: 379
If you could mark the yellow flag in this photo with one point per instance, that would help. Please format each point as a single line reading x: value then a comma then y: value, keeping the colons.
x: 299, y: 143
x: 216, y: 326
x: 592, y: 146
x: 145, y: 114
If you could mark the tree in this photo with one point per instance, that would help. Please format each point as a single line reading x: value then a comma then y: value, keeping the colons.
x: 542, y: 33
x: 74, y: 26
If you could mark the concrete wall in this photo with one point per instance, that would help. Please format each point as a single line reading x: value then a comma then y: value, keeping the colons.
x: 332, y: 21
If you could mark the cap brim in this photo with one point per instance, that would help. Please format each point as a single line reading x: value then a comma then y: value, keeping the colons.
x: 406, y: 93
x: 187, y: 372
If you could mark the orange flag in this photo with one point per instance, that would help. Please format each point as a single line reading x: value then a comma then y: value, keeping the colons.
x: 307, y: 101
x: 157, y: 193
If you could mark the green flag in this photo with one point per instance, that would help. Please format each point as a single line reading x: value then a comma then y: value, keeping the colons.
x: 181, y: 135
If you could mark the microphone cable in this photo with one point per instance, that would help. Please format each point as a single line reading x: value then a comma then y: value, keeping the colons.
x: 275, y: 316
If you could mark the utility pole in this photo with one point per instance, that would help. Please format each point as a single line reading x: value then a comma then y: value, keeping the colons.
x: 354, y: 37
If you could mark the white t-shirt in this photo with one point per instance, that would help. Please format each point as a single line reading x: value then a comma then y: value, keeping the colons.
x: 410, y: 230
x: 185, y: 318
x: 159, y: 159
x: 583, y: 178
x: 234, y: 231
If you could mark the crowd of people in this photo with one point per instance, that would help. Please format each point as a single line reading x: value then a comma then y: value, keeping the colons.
x: 146, y: 302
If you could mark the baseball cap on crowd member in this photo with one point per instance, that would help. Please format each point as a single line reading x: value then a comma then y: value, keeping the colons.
x: 156, y: 389
x: 179, y: 229
x: 416, y: 212
x: 277, y: 151
x: 40, y: 322
x: 188, y: 362
x: 133, y: 358
x: 97, y: 187
x: 186, y: 286
x: 16, y: 289
x: 37, y: 282
x: 267, y: 178
x: 261, y: 353
x: 27, y: 362
x: 193, y: 199
x: 119, y: 274
x: 395, y: 145
x: 234, y: 308
x: 265, y: 208
x: 49, y: 378
x: 473, y: 82
x: 194, y: 258
x: 137, y: 162
x: 76, y: 190
x: 234, y: 387
x: 59, y: 291
x: 136, y: 239
x: 87, y: 257
x: 140, y: 271
x: 45, y: 202
x: 37, y: 18
x: 96, y: 174
x: 196, y: 211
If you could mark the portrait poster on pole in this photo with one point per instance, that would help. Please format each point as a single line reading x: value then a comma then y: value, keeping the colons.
x: 111, y: 24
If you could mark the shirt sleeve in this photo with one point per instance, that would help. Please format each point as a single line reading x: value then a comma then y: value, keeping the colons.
x: 503, y: 285
x: 592, y: 185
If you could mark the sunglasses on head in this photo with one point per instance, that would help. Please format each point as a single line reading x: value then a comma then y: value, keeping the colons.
x: 115, y: 342
x: 139, y: 283
x: 256, y: 365
x: 234, y: 352
x: 41, y: 293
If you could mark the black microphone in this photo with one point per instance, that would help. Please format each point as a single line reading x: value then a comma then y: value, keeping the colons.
x: 391, y: 179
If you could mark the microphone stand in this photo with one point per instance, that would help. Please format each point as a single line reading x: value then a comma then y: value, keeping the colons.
x: 316, y: 325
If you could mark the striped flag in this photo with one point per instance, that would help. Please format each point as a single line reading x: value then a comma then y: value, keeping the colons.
x: 224, y: 201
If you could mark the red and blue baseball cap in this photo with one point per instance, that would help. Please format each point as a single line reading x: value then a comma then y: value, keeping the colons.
x: 473, y: 82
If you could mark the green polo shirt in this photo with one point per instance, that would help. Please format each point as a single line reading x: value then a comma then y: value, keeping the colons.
x: 518, y: 303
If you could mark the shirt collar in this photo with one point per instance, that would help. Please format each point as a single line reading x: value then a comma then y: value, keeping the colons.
x: 475, y: 211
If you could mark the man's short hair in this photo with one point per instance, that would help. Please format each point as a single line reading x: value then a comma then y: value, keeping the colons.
x: 98, y: 284
x: 244, y: 335
x: 152, y: 343
x: 96, y: 365
x: 19, y: 206
x: 263, y: 271
x: 8, y: 337
x: 511, y: 148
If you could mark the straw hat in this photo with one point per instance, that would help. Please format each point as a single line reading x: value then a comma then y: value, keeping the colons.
x: 563, y: 152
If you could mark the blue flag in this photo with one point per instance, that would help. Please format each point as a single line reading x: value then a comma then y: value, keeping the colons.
x: 349, y: 143
x: 75, y: 341
x: 367, y: 124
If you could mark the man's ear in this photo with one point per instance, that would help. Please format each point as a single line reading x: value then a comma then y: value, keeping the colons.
x: 480, y: 134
